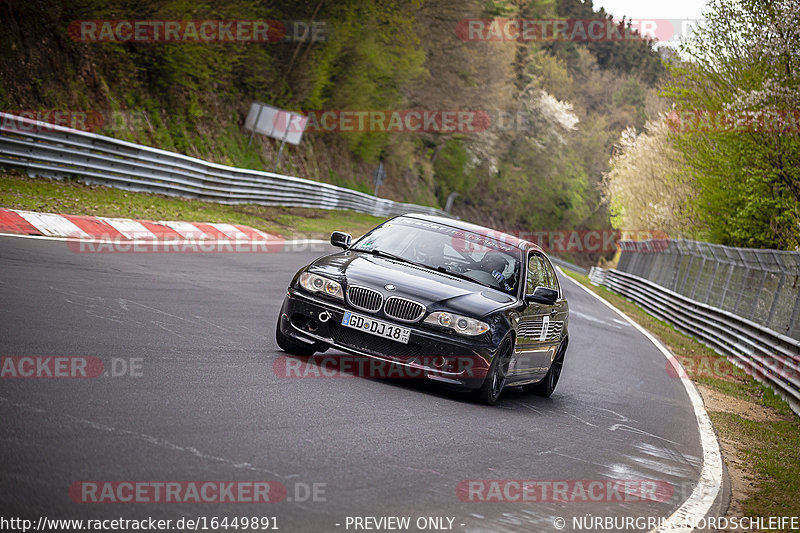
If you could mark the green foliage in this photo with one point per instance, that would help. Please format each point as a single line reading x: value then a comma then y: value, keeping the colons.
x: 631, y: 94
x: 454, y: 170
x: 566, y: 103
x: 623, y: 56
x: 373, y: 51
x: 335, y: 179
x: 748, y: 182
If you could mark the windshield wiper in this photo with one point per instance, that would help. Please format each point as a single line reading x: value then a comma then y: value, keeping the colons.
x: 381, y: 253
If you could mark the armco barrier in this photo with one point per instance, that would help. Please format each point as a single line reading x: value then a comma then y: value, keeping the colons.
x: 49, y: 150
x: 597, y: 275
x: 760, y: 285
x: 566, y: 264
x: 769, y: 356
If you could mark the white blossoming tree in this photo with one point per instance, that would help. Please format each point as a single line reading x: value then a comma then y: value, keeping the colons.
x: 647, y: 188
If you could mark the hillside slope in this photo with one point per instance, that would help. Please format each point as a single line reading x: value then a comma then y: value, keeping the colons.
x: 555, y: 109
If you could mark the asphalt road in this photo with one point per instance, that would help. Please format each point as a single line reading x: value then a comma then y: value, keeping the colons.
x: 206, y: 404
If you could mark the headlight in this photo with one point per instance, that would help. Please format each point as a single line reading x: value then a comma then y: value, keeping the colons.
x: 460, y: 324
x: 313, y: 283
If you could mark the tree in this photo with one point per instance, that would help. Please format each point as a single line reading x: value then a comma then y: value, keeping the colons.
x: 745, y: 62
x: 647, y: 187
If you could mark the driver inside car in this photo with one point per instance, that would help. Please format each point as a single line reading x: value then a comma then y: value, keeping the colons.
x: 497, y: 264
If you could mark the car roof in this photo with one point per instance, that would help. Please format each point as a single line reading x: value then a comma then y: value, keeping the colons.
x: 479, y: 230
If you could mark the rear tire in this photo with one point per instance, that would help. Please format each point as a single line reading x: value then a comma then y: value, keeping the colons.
x: 288, y: 345
x: 492, y: 386
x: 548, y: 384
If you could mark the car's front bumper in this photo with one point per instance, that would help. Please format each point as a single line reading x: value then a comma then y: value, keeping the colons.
x: 439, y: 356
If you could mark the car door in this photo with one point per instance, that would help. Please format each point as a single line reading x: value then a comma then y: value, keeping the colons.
x: 559, y: 314
x: 540, y: 325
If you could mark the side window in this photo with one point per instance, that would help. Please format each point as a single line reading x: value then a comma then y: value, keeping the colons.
x: 540, y: 274
x: 536, y: 273
x: 553, y: 278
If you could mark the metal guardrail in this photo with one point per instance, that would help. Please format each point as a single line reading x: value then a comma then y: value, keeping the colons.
x: 567, y: 265
x: 53, y: 151
x: 760, y: 285
x: 768, y: 356
x: 597, y: 275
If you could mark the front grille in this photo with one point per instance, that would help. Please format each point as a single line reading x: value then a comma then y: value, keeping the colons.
x: 402, y: 309
x: 364, y: 299
x: 371, y: 344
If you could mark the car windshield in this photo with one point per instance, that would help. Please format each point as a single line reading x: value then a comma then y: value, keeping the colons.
x: 464, y: 254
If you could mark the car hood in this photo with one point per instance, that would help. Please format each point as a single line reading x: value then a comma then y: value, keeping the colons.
x: 435, y: 290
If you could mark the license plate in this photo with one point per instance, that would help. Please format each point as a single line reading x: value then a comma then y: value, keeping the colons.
x: 376, y: 327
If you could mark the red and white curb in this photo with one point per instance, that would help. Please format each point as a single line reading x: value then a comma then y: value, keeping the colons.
x: 100, y: 234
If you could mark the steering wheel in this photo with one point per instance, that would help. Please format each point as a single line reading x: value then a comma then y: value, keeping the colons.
x: 453, y: 266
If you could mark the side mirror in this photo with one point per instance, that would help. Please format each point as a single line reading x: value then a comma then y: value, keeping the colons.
x: 341, y: 239
x: 542, y: 295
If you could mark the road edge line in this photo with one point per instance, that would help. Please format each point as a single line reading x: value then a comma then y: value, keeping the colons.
x: 709, y: 484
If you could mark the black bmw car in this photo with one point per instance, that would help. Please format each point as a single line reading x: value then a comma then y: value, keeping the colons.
x: 457, y: 303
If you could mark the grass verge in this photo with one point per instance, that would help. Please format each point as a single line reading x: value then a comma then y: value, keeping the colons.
x: 758, y: 432
x: 72, y: 197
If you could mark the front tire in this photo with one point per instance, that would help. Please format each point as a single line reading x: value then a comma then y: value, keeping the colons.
x: 288, y: 345
x: 546, y: 387
x: 492, y: 386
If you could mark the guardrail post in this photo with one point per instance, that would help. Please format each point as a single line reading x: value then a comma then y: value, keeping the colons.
x: 795, y: 313
x: 676, y: 268
x: 725, y: 287
x: 766, y: 268
x: 758, y: 295
x: 774, y: 305
x: 697, y: 278
x: 744, y: 281
x: 711, y: 281
x: 688, y: 271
